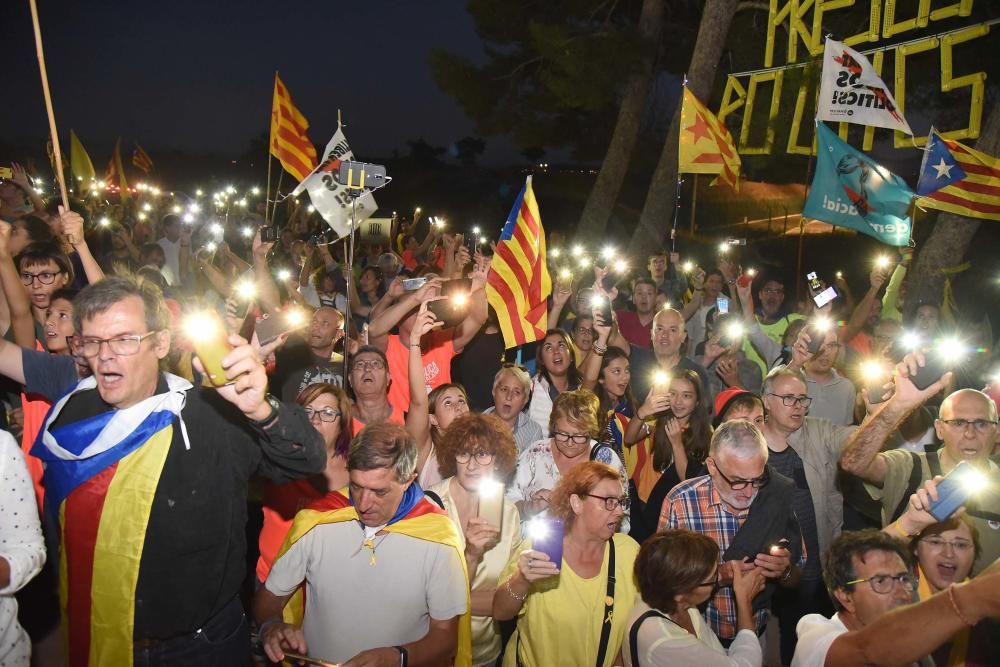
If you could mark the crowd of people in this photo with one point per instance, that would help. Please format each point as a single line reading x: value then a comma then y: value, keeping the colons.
x: 688, y: 466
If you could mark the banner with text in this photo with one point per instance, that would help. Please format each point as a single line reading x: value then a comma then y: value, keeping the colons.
x: 851, y: 91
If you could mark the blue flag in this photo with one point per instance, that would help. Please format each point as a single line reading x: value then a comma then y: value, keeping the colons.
x: 852, y: 190
x: 939, y: 167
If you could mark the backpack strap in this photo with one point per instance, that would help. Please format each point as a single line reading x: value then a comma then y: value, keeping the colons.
x: 933, y: 462
x: 916, y: 476
x: 633, y: 633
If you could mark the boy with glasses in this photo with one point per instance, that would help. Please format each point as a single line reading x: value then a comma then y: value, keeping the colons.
x: 43, y: 269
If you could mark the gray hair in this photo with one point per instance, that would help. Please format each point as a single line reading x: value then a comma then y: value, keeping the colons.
x: 384, y: 446
x: 517, y: 373
x: 740, y: 438
x: 779, y: 372
x: 98, y: 297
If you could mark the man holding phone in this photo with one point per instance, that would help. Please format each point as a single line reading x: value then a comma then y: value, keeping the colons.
x: 966, y: 424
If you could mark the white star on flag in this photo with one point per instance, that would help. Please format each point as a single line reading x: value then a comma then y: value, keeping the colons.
x: 943, y: 169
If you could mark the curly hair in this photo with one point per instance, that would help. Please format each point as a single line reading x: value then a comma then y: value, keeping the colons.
x: 579, y: 481
x: 581, y: 407
x: 474, y: 431
x: 838, y: 568
x: 317, y: 389
x: 673, y: 562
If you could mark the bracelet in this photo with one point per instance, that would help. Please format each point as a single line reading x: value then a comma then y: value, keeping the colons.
x: 404, y: 657
x: 788, y: 575
x: 510, y: 591
x: 899, y: 529
x: 954, y: 606
x: 414, y: 344
x: 599, y: 349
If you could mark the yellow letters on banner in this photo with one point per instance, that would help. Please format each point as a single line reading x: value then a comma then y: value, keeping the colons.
x: 882, y: 23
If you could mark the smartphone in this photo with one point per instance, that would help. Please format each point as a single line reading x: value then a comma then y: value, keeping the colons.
x: 453, y: 309
x: 268, y: 233
x: 547, y: 536
x: 471, y: 243
x: 955, y: 490
x: 602, y: 307
x: 411, y: 284
x: 935, y: 365
x: 305, y: 659
x: 825, y: 297
x: 783, y: 543
x: 491, y: 494
x: 817, y: 331
x: 814, y: 282
x: 6, y: 172
x: 280, y: 323
x: 208, y: 336
x: 722, y: 305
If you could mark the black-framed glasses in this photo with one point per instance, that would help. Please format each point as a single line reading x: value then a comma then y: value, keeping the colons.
x: 884, y: 583
x: 611, y: 503
x: 120, y: 345
x: 740, y: 484
x: 791, y: 400
x: 45, y: 277
x: 483, y: 457
x: 577, y: 438
x: 980, y: 425
x: 328, y: 415
x: 585, y: 330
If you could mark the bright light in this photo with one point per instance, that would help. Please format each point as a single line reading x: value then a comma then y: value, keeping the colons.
x: 554, y: 253
x: 950, y: 349
x: 666, y: 305
x: 104, y: 222
x: 142, y: 216
x: 247, y: 232
x: 723, y: 248
x: 734, y: 331
x: 621, y: 266
x: 156, y: 192
x: 194, y: 208
x: 840, y: 275
x: 751, y: 272
x: 294, y: 316
x: 460, y: 299
x: 176, y: 209
x: 577, y: 250
x: 199, y: 193
x: 417, y: 210
x: 147, y: 207
x: 538, y: 529
x: 973, y: 479
x: 201, y: 326
x: 607, y: 252
x: 241, y: 202
x: 188, y: 218
x: 211, y: 246
x: 661, y: 378
x: 565, y: 274
x: 910, y: 340
x: 687, y: 266
x: 489, y: 487
x: 246, y: 290
x: 596, y: 301
x: 584, y: 262
x: 475, y: 231
x: 231, y: 190
x: 284, y: 274
x: 255, y: 190
x: 216, y: 228
x: 882, y: 261
x: 311, y: 208
x: 483, y: 240
x: 822, y: 323
x: 872, y: 370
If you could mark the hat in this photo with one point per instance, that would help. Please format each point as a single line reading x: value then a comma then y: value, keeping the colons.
x: 726, y: 398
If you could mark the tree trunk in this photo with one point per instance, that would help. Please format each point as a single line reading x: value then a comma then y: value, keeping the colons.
x: 951, y: 236
x: 658, y: 210
x: 594, y: 219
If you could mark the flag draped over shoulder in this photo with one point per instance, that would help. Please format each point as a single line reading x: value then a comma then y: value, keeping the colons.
x: 330, y: 197
x: 115, y: 175
x: 519, y: 283
x: 141, y: 160
x: 851, y: 91
x: 416, y: 517
x: 289, y: 141
x: 705, y: 145
x: 79, y: 161
x: 958, y: 179
x: 852, y: 190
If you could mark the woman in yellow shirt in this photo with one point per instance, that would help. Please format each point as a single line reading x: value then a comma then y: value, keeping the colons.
x: 571, y: 613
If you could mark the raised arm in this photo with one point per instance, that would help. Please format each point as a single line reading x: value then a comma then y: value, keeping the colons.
x: 692, y: 306
x: 890, y: 300
x: 384, y: 322
x: 20, y: 178
x: 478, y: 307
x: 561, y: 293
x: 418, y: 417
x: 19, y: 306
x: 860, y: 315
x: 72, y: 229
x: 267, y: 290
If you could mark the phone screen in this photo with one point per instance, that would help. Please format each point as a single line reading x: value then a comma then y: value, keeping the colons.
x: 722, y: 304
x: 825, y: 297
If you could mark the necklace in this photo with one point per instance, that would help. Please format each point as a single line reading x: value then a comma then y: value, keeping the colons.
x: 371, y: 543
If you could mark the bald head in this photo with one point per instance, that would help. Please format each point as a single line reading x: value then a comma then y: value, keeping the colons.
x: 967, y: 399
x: 667, y: 333
x: 967, y: 426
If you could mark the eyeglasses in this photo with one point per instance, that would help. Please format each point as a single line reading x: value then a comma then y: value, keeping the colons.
x: 884, y: 583
x: 483, y: 457
x: 830, y: 347
x: 373, y: 364
x: 980, y: 425
x: 611, y: 503
x: 790, y: 400
x: 328, y: 415
x: 577, y: 438
x: 740, y: 484
x: 937, y: 544
x: 586, y: 331
x: 121, y: 345
x: 45, y: 277
x: 773, y: 290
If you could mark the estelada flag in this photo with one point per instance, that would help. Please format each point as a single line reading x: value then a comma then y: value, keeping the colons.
x: 114, y: 177
x: 289, y: 141
x: 958, y: 179
x: 851, y: 91
x: 141, y: 160
x: 519, y: 284
x: 705, y: 145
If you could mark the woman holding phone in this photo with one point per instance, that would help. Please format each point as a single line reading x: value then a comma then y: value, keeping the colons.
x: 569, y: 610
x: 475, y: 454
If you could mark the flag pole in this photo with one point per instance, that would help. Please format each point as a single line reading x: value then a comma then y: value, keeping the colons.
x: 60, y: 177
x: 270, y: 139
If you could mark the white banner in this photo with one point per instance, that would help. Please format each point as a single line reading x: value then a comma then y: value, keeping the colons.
x: 852, y: 92
x: 330, y: 197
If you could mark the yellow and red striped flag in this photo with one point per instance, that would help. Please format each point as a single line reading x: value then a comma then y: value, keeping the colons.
x: 141, y: 160
x: 114, y: 177
x: 519, y: 283
x: 705, y: 145
x: 959, y: 179
x: 289, y: 142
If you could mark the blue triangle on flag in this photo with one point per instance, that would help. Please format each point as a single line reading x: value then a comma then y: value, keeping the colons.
x: 938, y: 168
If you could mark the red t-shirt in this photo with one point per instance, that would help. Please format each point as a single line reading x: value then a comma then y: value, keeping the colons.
x: 281, y: 503
x: 437, y: 366
x: 634, y: 331
x: 396, y: 417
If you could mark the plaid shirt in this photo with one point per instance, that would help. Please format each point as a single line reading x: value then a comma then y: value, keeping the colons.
x: 697, y: 506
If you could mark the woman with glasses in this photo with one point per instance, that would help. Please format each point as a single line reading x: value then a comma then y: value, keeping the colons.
x: 328, y: 409
x: 573, y: 612
x: 476, y: 453
x: 557, y: 372
x: 574, y: 425
x: 677, y: 571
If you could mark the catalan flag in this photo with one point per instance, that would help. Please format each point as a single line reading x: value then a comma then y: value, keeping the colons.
x: 519, y: 283
x: 141, y: 160
x: 958, y: 179
x: 79, y: 161
x: 289, y: 142
x: 705, y: 145
x: 114, y: 177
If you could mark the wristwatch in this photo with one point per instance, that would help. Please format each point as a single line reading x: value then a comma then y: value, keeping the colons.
x: 271, y: 418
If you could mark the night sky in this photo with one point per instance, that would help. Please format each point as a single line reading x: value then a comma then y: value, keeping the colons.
x: 198, y: 76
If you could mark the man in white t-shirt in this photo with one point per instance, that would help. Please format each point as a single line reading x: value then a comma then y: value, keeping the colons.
x: 171, y: 244
x: 868, y: 574
x: 385, y: 580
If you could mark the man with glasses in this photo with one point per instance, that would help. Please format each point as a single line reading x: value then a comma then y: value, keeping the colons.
x: 772, y: 318
x: 966, y: 424
x: 308, y: 358
x: 369, y: 379
x: 743, y: 507
x: 869, y: 578
x: 146, y: 483
x: 805, y: 449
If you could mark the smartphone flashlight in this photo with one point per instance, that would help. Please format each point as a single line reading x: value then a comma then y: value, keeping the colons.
x: 687, y: 267
x: 208, y: 335
x: 817, y: 330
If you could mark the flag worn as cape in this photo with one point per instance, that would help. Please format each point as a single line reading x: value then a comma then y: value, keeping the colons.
x: 852, y: 190
x: 416, y: 517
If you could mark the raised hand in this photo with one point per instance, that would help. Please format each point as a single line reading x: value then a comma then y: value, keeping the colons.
x: 654, y: 404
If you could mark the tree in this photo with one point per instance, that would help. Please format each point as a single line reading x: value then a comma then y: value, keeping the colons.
x: 952, y: 234
x: 656, y: 212
x: 468, y: 149
x: 594, y: 218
